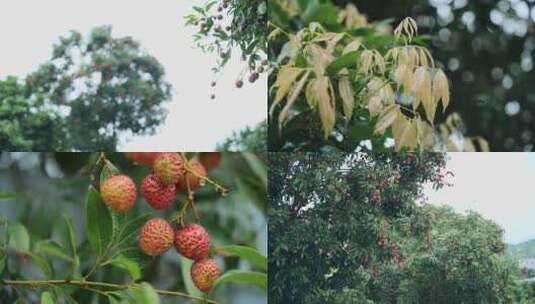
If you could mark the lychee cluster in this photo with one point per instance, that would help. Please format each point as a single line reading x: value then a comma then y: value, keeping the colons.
x: 170, y: 174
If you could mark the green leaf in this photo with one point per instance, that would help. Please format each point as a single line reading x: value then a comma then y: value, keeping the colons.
x: 98, y: 222
x: 144, y: 293
x: 72, y: 247
x: 52, y: 248
x: 2, y: 263
x: 41, y: 262
x: 258, y: 167
x: 18, y: 236
x: 7, y: 196
x: 185, y: 266
x: 247, y: 253
x: 108, y: 171
x: 243, y: 277
x: 131, y: 228
x: 46, y: 298
x: 345, y: 61
x: 130, y: 265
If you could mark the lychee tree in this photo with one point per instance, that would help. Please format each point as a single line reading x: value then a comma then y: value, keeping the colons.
x: 339, y: 81
x: 355, y: 228
x: 93, y: 91
x: 164, y: 208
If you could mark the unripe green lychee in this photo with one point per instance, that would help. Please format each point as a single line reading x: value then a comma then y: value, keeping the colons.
x: 156, y: 237
x: 143, y: 158
x: 194, y: 180
x: 118, y: 192
x: 204, y: 273
x: 192, y: 241
x: 169, y: 168
x: 158, y: 195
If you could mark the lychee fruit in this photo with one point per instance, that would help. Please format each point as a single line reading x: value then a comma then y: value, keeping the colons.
x: 192, y: 241
x: 210, y: 160
x: 169, y: 168
x: 143, y: 158
x: 156, y: 237
x: 118, y: 192
x: 194, y: 180
x: 239, y: 84
x: 158, y: 195
x: 204, y: 273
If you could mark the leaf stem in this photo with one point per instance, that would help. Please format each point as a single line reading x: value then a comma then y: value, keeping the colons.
x: 91, y: 285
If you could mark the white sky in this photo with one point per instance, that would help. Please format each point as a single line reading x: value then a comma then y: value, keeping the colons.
x: 29, y: 28
x: 500, y: 186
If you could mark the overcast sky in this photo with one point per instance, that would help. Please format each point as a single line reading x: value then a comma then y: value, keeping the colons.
x: 29, y: 28
x: 501, y: 186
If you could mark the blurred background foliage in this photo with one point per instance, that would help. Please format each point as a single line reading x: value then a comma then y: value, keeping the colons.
x: 487, y: 49
x: 37, y: 190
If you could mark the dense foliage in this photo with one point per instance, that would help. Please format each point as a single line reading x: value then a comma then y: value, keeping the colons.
x: 340, y: 80
x: 355, y: 228
x: 93, y: 92
x: 25, y: 124
x: 486, y: 49
x: 56, y: 232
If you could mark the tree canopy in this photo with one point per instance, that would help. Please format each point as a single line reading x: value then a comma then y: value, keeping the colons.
x: 92, y: 92
x: 356, y: 228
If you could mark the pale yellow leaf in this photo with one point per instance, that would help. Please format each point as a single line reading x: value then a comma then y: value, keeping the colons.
x: 430, y: 108
x: 425, y: 134
x: 292, y: 97
x: 347, y: 95
x: 285, y: 79
x: 326, y: 107
x: 352, y: 46
x: 404, y: 133
x: 374, y: 105
x: 387, y: 118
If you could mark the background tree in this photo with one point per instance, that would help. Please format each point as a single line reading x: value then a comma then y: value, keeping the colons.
x: 350, y: 228
x: 51, y: 220
x: 249, y: 139
x: 93, y: 92
x: 25, y: 124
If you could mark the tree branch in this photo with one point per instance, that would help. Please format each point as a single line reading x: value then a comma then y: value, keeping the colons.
x: 82, y: 284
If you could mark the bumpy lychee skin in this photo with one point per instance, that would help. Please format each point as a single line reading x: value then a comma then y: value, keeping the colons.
x: 143, y: 158
x: 210, y: 160
x: 194, y: 181
x: 169, y: 168
x: 204, y: 273
x: 158, y: 195
x: 156, y: 237
x: 118, y: 192
x: 192, y: 241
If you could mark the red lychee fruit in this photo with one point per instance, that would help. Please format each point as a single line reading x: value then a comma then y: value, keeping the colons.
x: 210, y: 160
x: 156, y: 237
x: 204, y: 273
x: 158, y: 195
x: 194, y: 180
x: 192, y: 241
x: 143, y: 158
x: 169, y: 168
x: 118, y: 192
